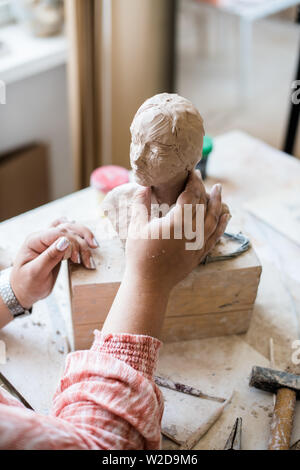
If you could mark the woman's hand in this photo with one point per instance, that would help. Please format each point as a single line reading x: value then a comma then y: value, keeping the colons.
x: 163, y: 263
x: 38, y: 262
x: 155, y: 266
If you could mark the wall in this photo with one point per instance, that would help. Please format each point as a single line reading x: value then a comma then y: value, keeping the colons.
x: 141, y: 63
x: 37, y: 109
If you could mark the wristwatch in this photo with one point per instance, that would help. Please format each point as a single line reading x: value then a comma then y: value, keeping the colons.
x: 9, y: 297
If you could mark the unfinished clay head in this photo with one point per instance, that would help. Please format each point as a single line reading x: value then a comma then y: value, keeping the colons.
x: 167, y: 139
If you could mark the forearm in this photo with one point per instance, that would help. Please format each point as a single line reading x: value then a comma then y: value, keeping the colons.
x: 109, y: 394
x: 139, y: 308
x: 116, y: 396
x: 106, y: 400
x: 5, y: 314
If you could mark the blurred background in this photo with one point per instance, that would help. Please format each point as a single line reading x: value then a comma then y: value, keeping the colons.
x: 74, y: 72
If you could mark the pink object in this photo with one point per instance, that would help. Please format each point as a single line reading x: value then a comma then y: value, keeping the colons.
x: 106, y: 178
x: 106, y: 400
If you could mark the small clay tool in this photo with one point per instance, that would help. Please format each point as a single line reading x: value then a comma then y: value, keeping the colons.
x: 234, y: 441
x: 179, y: 387
x: 14, y: 391
x: 295, y: 446
x: 272, y: 363
x: 287, y: 389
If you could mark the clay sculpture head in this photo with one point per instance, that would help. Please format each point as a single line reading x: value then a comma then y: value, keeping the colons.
x: 167, y: 139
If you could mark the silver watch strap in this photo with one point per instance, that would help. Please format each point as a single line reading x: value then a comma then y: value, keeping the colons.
x: 8, y: 295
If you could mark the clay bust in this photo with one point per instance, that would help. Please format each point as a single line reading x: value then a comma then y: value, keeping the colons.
x: 167, y: 139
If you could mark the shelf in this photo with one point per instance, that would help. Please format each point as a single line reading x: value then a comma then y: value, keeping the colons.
x: 24, y: 55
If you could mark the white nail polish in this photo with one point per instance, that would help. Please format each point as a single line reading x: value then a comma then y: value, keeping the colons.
x: 78, y: 259
x: 92, y: 263
x: 219, y: 188
x: 62, y: 244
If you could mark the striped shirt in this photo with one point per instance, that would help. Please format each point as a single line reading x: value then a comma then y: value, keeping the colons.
x: 106, y: 399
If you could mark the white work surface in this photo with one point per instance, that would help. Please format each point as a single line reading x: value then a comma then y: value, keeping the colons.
x: 247, y: 169
x: 35, y: 55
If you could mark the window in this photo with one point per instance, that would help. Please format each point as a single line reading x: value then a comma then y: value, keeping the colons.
x: 5, y: 12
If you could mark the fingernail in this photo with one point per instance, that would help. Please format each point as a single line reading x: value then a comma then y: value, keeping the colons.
x: 92, y: 263
x: 95, y: 242
x: 219, y: 188
x: 78, y: 259
x: 62, y: 244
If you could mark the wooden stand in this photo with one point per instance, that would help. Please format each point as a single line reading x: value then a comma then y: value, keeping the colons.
x: 214, y: 300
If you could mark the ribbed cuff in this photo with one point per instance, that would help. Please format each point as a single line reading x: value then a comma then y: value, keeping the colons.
x: 138, y: 351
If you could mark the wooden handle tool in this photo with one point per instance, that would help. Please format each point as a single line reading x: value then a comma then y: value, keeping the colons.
x: 282, y: 420
x: 287, y: 389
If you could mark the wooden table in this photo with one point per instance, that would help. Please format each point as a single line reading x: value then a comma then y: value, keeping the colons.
x: 246, y: 167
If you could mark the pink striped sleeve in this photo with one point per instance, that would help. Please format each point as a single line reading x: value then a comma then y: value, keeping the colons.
x: 8, y: 400
x: 106, y: 400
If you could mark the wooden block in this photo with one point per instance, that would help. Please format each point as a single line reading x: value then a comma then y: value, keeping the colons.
x: 214, y: 300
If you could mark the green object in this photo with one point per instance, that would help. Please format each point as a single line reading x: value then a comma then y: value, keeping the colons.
x: 207, y: 146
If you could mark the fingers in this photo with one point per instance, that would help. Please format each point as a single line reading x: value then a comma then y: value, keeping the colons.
x: 81, y: 252
x: 225, y: 209
x: 78, y: 251
x: 82, y: 231
x: 40, y: 241
x: 214, y: 211
x: 217, y: 234
x: 50, y: 258
x: 82, y: 239
x: 194, y: 192
x: 141, y: 204
x: 60, y: 220
x: 65, y: 226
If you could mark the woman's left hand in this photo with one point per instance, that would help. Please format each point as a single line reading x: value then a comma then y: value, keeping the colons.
x: 38, y: 262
